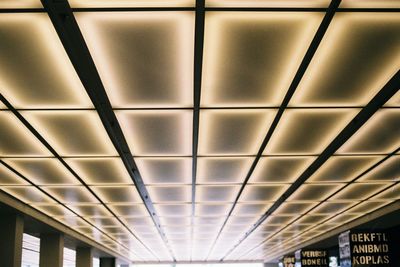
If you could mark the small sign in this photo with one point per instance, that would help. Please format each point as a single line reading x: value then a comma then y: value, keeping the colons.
x: 289, y: 261
x: 364, y: 249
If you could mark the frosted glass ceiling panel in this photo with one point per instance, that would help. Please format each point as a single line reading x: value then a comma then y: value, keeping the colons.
x: 145, y: 59
x: 342, y: 169
x: 157, y: 133
x: 389, y: 170
x: 314, y: 192
x: 72, y: 133
x: 165, y: 170
x: 359, y: 191
x: 100, y: 170
x: 370, y: 3
x: 7, y: 177
x: 331, y: 79
x: 380, y: 134
x: 43, y: 171
x: 20, y: 4
x: 262, y: 193
x: 159, y: 194
x: 233, y: 132
x: 222, y: 170
x: 131, y: 3
x: 279, y: 169
x: 270, y: 45
x: 216, y: 193
x: 35, y: 69
x: 27, y: 194
x: 267, y: 3
x: 117, y: 194
x: 307, y: 131
x: 16, y: 139
x: 71, y: 194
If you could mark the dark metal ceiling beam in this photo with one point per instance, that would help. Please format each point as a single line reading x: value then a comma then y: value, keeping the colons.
x: 71, y: 37
x: 389, y: 90
x: 292, y: 88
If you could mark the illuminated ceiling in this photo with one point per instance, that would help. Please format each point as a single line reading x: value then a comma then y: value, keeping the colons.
x: 208, y: 130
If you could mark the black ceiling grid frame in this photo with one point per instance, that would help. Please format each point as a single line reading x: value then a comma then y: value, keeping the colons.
x: 292, y: 88
x: 59, y: 202
x: 71, y: 37
x: 64, y: 163
x: 197, y: 76
x: 390, y: 89
x: 387, y: 156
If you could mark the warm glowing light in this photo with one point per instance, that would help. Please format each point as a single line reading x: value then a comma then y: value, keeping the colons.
x: 267, y: 3
x: 270, y: 44
x: 72, y: 132
x: 35, y: 69
x: 330, y: 79
x: 233, y: 132
x: 143, y: 129
x: 131, y: 3
x: 145, y: 59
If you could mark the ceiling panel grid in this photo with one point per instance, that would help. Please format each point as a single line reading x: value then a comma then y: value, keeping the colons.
x: 169, y: 129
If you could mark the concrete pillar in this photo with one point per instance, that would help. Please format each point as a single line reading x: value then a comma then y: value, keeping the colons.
x: 107, y: 262
x: 51, y: 250
x: 84, y: 257
x: 11, y: 231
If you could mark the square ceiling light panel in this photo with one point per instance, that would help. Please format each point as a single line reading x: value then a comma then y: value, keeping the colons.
x: 391, y: 193
x: 222, y: 170
x: 343, y: 168
x: 177, y: 210
x: 216, y: 193
x: 270, y: 44
x: 16, y: 140
x: 291, y: 208
x: 330, y: 80
x: 43, y: 171
x: 35, y: 69
x: 267, y: 3
x: 389, y: 170
x: 100, y: 170
x: 167, y: 194
x: 157, y: 133
x: 71, y: 194
x: 131, y: 3
x: 262, y: 193
x: 54, y: 210
x: 145, y: 59
x: 73, y: 132
x: 314, y: 192
x: 117, y: 194
x: 279, y: 169
x: 8, y: 177
x: 307, y: 131
x: 370, y: 4
x: 359, y: 191
x: 380, y: 134
x: 20, y: 4
x: 233, y: 132
x: 212, y: 209
x: 165, y: 170
x: 90, y: 210
x: 28, y: 194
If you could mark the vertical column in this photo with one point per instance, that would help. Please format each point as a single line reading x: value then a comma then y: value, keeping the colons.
x: 11, y: 231
x: 84, y: 257
x: 107, y: 262
x: 51, y: 250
